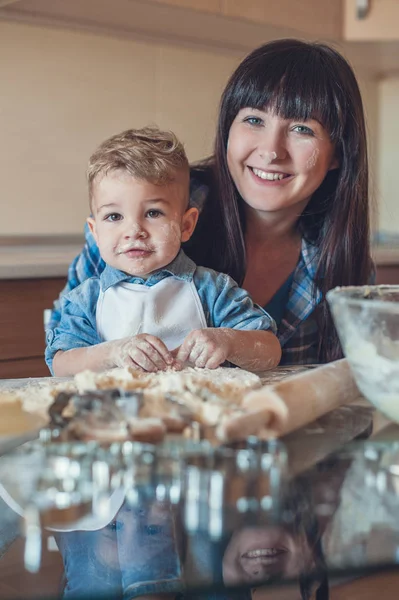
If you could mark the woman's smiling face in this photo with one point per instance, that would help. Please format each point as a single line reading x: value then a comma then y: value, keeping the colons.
x: 256, y: 554
x: 277, y: 164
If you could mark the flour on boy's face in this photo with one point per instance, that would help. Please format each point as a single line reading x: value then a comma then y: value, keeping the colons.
x: 139, y: 226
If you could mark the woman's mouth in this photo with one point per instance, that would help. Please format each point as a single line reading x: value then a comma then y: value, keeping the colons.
x: 269, y: 175
x: 262, y: 557
x: 263, y: 552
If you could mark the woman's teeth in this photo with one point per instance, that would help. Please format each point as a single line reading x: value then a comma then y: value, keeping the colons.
x: 268, y: 175
x: 263, y: 552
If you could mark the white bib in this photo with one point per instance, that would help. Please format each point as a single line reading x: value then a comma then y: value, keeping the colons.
x: 168, y: 310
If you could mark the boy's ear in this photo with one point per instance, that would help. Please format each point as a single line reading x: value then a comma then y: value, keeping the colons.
x: 189, y: 221
x: 92, y: 226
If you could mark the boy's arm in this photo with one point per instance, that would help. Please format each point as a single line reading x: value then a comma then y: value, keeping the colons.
x: 77, y: 326
x: 143, y: 351
x: 93, y: 358
x: 87, y: 264
x: 252, y: 350
x: 242, y: 332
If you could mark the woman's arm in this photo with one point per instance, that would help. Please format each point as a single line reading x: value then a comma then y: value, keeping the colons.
x: 87, y: 264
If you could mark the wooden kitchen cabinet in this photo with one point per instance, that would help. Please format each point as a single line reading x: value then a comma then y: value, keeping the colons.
x: 321, y: 18
x: 315, y: 17
x: 212, y: 6
x: 380, y: 24
x: 388, y: 274
x: 22, y: 340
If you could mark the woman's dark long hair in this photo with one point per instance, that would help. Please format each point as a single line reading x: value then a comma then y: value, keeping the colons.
x: 300, y: 81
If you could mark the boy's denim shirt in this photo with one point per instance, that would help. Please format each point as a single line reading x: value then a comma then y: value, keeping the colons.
x: 224, y: 304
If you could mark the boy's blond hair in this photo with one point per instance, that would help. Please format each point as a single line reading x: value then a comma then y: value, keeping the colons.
x: 148, y: 154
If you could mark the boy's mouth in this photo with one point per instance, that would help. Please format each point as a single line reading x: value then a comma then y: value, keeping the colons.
x: 134, y: 251
x: 137, y: 253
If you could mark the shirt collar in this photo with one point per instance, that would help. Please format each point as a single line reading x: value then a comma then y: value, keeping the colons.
x: 182, y: 267
x: 304, y: 297
x: 310, y: 256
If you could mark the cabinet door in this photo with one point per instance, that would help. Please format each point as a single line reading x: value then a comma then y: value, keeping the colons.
x: 212, y: 6
x: 380, y: 23
x: 388, y: 274
x: 22, y: 303
x: 319, y: 18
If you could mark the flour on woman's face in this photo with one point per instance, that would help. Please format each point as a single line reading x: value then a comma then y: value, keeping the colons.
x: 139, y: 226
x: 277, y: 163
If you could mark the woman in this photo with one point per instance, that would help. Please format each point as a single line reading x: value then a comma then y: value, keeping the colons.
x: 274, y: 560
x: 286, y: 210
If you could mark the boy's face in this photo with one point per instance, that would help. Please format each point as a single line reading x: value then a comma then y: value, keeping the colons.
x: 139, y: 226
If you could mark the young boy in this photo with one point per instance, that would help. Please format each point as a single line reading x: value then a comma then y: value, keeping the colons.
x: 152, y: 307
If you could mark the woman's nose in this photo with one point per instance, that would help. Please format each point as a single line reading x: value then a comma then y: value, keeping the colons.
x: 272, y: 146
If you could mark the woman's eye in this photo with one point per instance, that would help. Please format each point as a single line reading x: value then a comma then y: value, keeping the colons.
x: 303, y: 130
x: 153, y: 213
x: 253, y: 121
x: 113, y: 217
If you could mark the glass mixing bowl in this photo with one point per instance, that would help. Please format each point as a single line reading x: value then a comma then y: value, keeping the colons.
x: 367, y: 322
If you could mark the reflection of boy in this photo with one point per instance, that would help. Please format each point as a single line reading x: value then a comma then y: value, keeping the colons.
x: 137, y: 555
x: 151, y: 299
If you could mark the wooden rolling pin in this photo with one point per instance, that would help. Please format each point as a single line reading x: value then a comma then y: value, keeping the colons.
x: 275, y: 410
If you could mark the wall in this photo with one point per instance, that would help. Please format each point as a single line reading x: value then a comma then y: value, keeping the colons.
x: 369, y: 88
x: 63, y: 92
x: 388, y: 159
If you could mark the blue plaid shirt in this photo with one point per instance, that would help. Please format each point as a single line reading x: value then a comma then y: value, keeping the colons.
x: 297, y: 331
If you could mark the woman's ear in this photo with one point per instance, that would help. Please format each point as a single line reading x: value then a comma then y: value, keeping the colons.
x: 92, y: 226
x: 335, y: 163
x: 189, y: 221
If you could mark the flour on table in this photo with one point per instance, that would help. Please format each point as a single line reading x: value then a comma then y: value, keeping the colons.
x: 209, y: 394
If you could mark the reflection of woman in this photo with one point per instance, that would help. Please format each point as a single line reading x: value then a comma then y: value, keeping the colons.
x: 260, y: 554
x: 279, y: 552
x: 256, y: 554
x: 285, y: 198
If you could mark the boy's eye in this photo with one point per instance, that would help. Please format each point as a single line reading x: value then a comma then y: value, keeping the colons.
x: 154, y: 213
x: 113, y: 217
x: 153, y: 529
x: 303, y: 129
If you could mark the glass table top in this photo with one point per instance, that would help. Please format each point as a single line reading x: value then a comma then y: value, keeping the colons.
x: 192, y: 521
x: 281, y: 519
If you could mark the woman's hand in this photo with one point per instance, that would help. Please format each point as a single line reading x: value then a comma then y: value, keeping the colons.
x: 145, y: 352
x: 205, y: 348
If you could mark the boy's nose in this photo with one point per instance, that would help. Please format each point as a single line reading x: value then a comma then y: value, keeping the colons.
x: 135, y: 231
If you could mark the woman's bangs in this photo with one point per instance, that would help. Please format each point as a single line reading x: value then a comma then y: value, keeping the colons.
x: 298, y: 91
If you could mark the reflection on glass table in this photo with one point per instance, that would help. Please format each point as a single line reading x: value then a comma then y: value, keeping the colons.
x: 201, y: 523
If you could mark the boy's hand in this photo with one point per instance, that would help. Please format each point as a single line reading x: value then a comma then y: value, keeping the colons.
x: 205, y: 348
x: 145, y: 352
